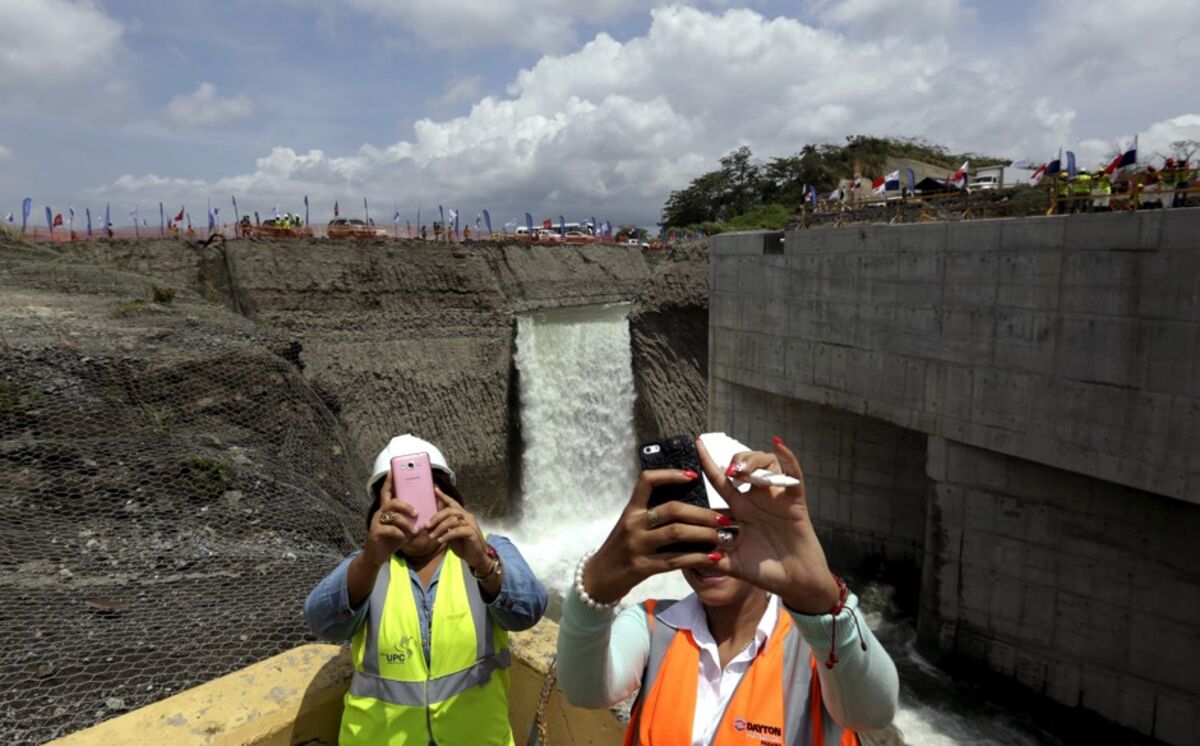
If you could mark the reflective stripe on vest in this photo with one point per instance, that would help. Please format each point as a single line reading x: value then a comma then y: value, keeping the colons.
x: 757, y: 713
x: 396, y: 697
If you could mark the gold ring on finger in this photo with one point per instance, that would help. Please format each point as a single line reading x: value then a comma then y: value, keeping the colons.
x: 651, y: 518
x: 386, y: 517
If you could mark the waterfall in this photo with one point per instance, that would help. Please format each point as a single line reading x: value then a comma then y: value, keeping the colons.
x: 579, y: 461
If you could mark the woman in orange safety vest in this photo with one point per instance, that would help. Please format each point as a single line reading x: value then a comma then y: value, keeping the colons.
x: 769, y: 648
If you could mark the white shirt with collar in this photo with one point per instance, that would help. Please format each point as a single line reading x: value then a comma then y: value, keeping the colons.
x: 715, y: 687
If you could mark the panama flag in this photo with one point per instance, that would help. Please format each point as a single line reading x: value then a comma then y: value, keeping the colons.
x: 1038, y: 174
x: 1054, y: 165
x: 879, y: 186
x: 892, y: 181
x: 179, y: 216
x: 1128, y: 158
x: 960, y: 177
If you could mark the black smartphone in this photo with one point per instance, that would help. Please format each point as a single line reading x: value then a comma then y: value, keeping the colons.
x: 677, y: 452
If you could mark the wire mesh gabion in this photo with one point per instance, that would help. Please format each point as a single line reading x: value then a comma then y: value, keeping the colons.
x: 170, y: 489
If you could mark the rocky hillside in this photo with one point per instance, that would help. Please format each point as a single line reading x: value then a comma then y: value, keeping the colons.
x: 401, y: 336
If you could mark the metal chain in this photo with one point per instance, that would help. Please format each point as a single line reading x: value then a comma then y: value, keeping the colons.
x: 543, y: 703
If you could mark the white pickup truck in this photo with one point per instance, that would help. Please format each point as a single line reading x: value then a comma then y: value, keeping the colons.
x: 636, y: 242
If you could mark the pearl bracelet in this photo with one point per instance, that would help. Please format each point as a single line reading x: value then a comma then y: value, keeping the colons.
x: 582, y: 592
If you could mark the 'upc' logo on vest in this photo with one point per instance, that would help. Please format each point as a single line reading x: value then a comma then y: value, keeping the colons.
x: 403, y: 651
x: 758, y: 731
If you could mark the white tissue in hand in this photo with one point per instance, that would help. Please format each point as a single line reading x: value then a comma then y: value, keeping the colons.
x: 721, y: 448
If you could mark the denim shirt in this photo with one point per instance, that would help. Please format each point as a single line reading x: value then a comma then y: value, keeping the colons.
x: 519, y: 604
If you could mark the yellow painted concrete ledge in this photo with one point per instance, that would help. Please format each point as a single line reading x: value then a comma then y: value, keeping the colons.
x: 296, y: 698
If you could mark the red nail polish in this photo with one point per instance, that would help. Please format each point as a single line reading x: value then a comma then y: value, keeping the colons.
x: 731, y: 470
x: 689, y: 474
x: 778, y: 440
x: 724, y: 520
x: 715, y: 556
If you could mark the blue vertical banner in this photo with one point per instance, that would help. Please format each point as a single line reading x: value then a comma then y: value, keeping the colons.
x: 237, y: 218
x: 107, y: 222
x: 162, y: 221
x: 88, y: 211
x: 529, y: 223
x: 418, y: 217
x: 26, y: 208
x: 912, y: 181
x: 305, y: 209
x: 593, y: 224
x: 455, y: 223
x: 49, y: 220
x: 487, y: 220
x: 212, y: 223
x: 1071, y: 164
x: 562, y: 226
x: 366, y: 212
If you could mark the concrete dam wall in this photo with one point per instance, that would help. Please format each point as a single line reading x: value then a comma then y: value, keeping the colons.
x: 1008, y: 410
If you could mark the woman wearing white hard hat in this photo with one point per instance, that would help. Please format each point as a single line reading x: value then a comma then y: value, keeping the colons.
x: 428, y: 614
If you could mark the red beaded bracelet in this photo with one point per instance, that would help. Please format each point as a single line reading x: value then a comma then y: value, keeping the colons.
x: 843, y: 595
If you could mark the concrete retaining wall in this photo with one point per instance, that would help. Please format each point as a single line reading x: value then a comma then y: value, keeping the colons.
x: 1080, y: 589
x: 1045, y: 374
x: 1070, y: 341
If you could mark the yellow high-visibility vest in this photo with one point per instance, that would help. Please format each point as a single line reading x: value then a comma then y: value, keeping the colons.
x: 460, y: 698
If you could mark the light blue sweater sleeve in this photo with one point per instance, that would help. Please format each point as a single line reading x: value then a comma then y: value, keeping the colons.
x: 601, y: 654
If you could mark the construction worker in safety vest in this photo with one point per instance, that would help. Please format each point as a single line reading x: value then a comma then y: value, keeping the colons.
x: 1081, y: 190
x: 1063, y: 187
x: 770, y: 646
x: 1170, y: 180
x: 1101, y: 191
x: 427, y: 605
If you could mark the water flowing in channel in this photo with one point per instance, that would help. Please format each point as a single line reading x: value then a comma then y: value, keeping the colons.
x: 579, y: 465
x: 579, y: 461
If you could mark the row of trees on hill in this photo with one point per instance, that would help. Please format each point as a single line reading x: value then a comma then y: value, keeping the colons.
x: 745, y: 187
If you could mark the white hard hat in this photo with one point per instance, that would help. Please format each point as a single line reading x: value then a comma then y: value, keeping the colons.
x: 403, y: 445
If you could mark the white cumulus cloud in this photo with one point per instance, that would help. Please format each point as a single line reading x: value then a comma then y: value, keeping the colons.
x: 204, y: 107
x: 57, y: 54
x: 541, y: 25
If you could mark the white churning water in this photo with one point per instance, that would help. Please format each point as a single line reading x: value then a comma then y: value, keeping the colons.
x: 579, y: 461
x: 577, y: 470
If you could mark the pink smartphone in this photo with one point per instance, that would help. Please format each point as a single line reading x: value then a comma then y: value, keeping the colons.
x: 412, y: 482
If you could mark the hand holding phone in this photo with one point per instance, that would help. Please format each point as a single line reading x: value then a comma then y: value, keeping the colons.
x: 412, y: 483
x: 678, y: 452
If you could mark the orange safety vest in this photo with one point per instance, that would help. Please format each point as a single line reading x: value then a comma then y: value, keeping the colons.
x: 757, y: 715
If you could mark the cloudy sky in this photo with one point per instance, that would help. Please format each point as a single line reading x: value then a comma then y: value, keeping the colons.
x: 578, y: 107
